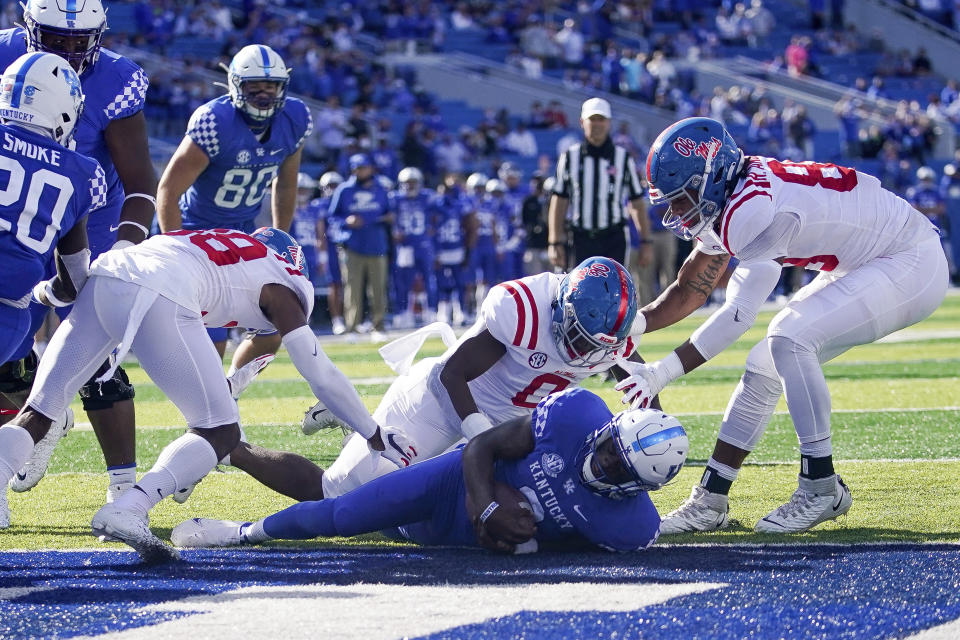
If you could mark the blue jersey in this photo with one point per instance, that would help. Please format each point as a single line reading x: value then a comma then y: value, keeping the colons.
x: 925, y: 198
x: 228, y: 193
x: 413, y: 221
x: 449, y: 212
x: 304, y: 231
x: 114, y: 88
x: 490, y: 211
x: 371, y: 202
x: 48, y: 190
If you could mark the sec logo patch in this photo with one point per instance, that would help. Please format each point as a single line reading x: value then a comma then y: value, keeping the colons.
x: 552, y: 463
x: 537, y: 359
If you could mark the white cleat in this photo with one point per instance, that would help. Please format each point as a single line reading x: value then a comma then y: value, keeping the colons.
x: 338, y: 326
x: 243, y: 376
x: 34, y: 469
x: 204, y: 532
x: 815, y: 501
x: 319, y: 417
x: 180, y: 495
x: 114, y: 523
x: 4, y: 509
x: 702, y: 511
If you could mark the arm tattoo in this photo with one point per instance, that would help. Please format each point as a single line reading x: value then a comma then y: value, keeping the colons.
x: 704, y: 281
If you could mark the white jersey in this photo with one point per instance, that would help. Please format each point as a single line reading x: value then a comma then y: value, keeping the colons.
x: 518, y: 313
x: 819, y: 216
x: 217, y: 273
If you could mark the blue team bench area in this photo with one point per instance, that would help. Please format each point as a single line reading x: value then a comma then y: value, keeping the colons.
x: 669, y: 592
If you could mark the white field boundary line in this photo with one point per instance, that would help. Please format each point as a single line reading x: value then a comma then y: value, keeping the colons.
x: 85, y: 426
x: 659, y: 545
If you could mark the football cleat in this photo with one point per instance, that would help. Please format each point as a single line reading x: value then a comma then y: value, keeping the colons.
x: 114, y: 523
x: 338, y: 326
x: 180, y: 495
x: 4, y: 509
x: 319, y: 417
x: 205, y: 532
x: 242, y: 377
x: 32, y: 472
x: 702, y: 511
x: 813, y: 502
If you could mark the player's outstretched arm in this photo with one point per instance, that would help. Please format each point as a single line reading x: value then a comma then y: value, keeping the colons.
x: 283, y: 308
x: 499, y: 527
x: 186, y: 165
x: 471, y: 359
x: 73, y: 263
x: 126, y: 140
x: 696, y: 280
x: 284, y: 198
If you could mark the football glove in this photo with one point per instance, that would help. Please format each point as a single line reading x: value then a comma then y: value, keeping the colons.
x: 243, y: 376
x: 398, y: 447
x: 646, y: 380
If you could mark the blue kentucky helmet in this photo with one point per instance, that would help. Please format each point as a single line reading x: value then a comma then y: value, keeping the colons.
x: 284, y: 244
x: 693, y: 167
x: 593, y: 311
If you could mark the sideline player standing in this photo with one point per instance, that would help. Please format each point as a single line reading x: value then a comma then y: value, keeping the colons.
x: 234, y: 147
x: 153, y: 300
x: 113, y: 131
x: 34, y: 134
x: 584, y: 473
x: 881, y: 269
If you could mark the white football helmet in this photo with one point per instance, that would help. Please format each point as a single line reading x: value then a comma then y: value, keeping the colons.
x: 257, y: 62
x: 42, y: 92
x: 329, y: 181
x: 549, y: 183
x: 304, y: 181
x: 49, y: 22
x: 926, y: 173
x: 409, y: 181
x: 494, y: 186
x: 476, y: 181
x: 652, y: 447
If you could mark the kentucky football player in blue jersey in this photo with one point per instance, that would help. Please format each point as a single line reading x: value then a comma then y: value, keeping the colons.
x: 234, y: 147
x: 413, y: 244
x: 113, y: 131
x: 49, y: 192
x: 584, y: 475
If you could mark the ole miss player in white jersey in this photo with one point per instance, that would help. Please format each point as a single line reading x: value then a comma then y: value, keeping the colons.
x: 881, y: 268
x: 155, y: 300
x: 533, y: 336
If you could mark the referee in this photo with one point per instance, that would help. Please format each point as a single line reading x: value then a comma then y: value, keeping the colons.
x: 594, y: 178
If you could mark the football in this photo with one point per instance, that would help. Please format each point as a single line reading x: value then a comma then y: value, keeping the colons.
x: 505, y: 494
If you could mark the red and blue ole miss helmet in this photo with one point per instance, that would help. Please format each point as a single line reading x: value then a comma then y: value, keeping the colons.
x: 693, y: 166
x: 593, y: 311
x: 284, y: 244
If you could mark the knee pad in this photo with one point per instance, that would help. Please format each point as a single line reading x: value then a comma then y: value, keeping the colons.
x: 97, y: 396
x: 17, y: 375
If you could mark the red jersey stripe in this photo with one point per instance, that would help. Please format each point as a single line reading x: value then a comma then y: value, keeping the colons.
x: 534, y: 314
x: 521, y: 313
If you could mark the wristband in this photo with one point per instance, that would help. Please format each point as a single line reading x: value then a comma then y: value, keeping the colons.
x: 146, y: 232
x: 493, y: 506
x: 475, y: 424
x: 639, y: 324
x: 145, y: 196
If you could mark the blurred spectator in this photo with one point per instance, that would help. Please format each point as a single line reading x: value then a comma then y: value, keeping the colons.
x: 331, y: 127
x: 849, y: 111
x: 651, y: 279
x: 451, y: 154
x: 797, y: 56
x: 555, y: 116
x: 800, y: 130
x: 521, y: 141
x: 950, y: 190
x: 761, y: 21
x: 571, y: 43
x: 534, y: 215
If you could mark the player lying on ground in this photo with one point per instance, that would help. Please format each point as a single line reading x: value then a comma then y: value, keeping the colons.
x: 881, y: 269
x: 583, y: 473
x: 154, y: 299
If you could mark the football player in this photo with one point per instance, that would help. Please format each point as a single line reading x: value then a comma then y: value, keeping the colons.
x: 584, y: 474
x: 35, y: 132
x: 455, y: 223
x: 234, y: 147
x: 881, y: 268
x: 330, y: 233
x: 113, y: 131
x: 306, y: 229
x: 154, y: 300
x: 413, y: 243
x: 533, y: 337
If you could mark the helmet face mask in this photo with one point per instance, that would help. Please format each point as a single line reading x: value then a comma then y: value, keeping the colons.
x: 409, y: 181
x: 637, y: 450
x: 74, y: 35
x: 593, y: 311
x: 692, y: 167
x: 257, y: 82
x: 42, y: 91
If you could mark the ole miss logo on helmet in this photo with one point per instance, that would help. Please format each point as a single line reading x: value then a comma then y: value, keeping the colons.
x: 688, y: 147
x: 596, y: 270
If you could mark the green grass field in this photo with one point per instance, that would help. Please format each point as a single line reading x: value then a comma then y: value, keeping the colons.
x: 896, y: 404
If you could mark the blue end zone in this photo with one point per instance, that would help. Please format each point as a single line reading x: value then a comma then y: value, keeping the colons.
x: 808, y: 591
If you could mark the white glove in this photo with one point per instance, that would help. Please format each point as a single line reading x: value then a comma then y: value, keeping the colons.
x: 242, y: 377
x: 647, y: 380
x: 398, y: 448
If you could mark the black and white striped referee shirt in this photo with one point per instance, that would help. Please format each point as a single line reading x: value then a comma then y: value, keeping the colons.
x: 597, y: 181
